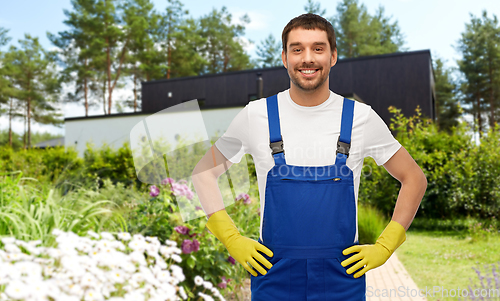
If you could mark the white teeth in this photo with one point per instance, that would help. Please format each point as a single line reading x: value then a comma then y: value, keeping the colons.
x: 308, y: 71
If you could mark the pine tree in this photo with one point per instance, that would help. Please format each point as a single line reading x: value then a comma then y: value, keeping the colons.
x: 360, y: 34
x: 34, y: 82
x: 223, y: 47
x: 269, y: 52
x: 448, y: 110
x: 480, y: 64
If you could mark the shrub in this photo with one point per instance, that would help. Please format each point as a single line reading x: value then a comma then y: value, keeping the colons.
x: 371, y: 223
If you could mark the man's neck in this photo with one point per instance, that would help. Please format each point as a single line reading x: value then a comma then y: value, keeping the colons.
x: 309, y: 98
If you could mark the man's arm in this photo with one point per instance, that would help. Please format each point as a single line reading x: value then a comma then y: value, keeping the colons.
x: 204, y: 178
x: 242, y: 249
x: 413, y: 185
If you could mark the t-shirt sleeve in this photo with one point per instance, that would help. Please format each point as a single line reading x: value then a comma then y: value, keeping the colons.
x: 379, y: 143
x: 233, y: 144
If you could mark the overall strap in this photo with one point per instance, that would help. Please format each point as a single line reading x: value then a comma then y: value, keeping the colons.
x: 344, y: 142
x: 276, y: 141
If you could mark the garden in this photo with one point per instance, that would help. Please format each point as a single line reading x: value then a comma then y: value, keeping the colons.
x: 74, y: 228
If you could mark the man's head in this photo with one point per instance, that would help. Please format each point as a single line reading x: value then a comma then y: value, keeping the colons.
x: 310, y: 21
x: 309, y: 51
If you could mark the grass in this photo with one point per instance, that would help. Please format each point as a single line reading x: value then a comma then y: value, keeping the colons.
x: 446, y: 258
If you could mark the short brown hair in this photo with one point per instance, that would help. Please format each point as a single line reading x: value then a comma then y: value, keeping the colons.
x: 310, y: 21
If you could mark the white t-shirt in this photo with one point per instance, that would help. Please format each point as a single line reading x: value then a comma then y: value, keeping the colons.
x: 310, y: 137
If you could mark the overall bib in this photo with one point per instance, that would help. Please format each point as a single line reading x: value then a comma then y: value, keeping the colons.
x: 309, y: 219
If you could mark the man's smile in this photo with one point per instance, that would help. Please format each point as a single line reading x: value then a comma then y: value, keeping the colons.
x: 308, y: 72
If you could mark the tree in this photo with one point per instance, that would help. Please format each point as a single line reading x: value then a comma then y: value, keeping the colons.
x: 448, y: 109
x: 314, y: 8
x: 171, y: 26
x: 4, y: 83
x: 480, y: 64
x: 78, y: 55
x: 269, y: 52
x: 187, y: 57
x: 223, y: 47
x: 35, y: 83
x: 359, y: 34
x: 146, y: 59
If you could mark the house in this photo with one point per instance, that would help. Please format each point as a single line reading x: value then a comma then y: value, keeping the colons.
x: 202, y: 107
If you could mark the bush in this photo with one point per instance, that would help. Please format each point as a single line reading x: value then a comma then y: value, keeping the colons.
x: 462, y: 177
x: 371, y: 223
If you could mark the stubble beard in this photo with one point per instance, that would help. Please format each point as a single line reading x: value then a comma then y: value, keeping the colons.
x: 306, y: 84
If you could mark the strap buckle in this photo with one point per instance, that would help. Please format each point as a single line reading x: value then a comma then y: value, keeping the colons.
x: 343, y: 148
x: 277, y: 147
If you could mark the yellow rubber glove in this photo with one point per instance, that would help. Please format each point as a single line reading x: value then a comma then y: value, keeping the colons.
x: 372, y: 256
x: 242, y: 249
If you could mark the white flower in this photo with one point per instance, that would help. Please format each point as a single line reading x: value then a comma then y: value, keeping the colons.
x: 88, y: 280
x: 39, y: 288
x: 139, y: 237
x: 30, y: 269
x: 17, y: 289
x: 107, y: 235
x: 116, y: 276
x: 176, y: 257
x: 171, y: 243
x: 138, y: 257
x: 134, y: 296
x: 198, y: 280
x: 12, y: 248
x: 205, y: 297
x: 8, y: 240
x: 137, y: 245
x: 93, y: 234
x: 208, y: 285
x: 93, y: 295
x: 164, y: 276
x: 183, y: 293
x: 124, y: 236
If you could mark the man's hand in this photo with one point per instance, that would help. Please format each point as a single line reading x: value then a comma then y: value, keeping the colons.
x: 372, y: 256
x: 242, y: 249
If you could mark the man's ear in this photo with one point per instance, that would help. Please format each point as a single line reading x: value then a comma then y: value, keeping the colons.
x: 283, y: 57
x: 334, y: 58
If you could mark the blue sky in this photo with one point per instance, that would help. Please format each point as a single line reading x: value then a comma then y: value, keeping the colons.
x: 435, y: 25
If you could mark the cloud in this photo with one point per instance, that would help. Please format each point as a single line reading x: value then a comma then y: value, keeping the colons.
x: 258, y: 20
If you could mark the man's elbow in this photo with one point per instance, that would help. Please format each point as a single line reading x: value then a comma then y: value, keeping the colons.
x: 422, y: 180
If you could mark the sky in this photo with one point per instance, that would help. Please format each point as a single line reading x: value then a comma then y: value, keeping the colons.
x: 435, y: 25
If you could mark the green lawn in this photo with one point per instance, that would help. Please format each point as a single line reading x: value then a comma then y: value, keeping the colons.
x: 446, y: 258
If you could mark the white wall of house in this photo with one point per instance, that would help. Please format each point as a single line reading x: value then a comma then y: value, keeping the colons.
x: 194, y: 125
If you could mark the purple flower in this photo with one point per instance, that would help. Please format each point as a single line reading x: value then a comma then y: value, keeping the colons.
x: 182, y: 230
x: 190, y: 246
x: 154, y: 191
x: 198, y: 208
x: 167, y: 181
x: 182, y: 190
x: 245, y: 197
x: 224, y: 282
x: 231, y: 260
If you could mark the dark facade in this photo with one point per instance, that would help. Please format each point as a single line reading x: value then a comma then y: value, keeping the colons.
x: 403, y: 80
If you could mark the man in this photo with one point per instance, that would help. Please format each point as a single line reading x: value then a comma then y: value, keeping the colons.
x: 308, y: 146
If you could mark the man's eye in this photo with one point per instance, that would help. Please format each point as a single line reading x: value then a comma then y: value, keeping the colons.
x: 319, y: 49
x: 296, y: 50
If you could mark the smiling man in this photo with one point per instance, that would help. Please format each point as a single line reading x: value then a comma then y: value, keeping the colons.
x: 308, y: 145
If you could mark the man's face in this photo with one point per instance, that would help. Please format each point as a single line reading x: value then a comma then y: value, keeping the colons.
x: 308, y: 58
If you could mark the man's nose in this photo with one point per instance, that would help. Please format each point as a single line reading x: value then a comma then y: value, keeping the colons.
x: 308, y: 56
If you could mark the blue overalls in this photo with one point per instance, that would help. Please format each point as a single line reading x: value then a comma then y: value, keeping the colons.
x: 309, y: 218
